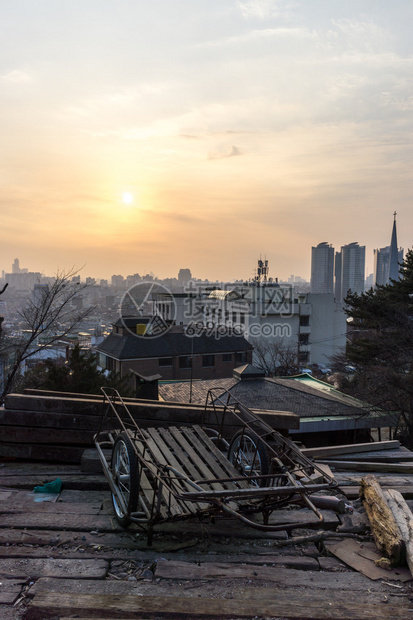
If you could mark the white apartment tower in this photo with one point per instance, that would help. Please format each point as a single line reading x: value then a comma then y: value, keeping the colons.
x: 322, y: 268
x: 350, y: 268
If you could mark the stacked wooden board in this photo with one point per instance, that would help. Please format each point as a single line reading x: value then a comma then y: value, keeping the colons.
x: 59, y: 427
x: 391, y: 463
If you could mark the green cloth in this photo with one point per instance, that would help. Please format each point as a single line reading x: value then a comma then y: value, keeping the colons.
x: 50, y: 487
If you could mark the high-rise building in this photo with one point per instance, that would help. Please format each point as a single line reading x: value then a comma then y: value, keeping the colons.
x: 184, y: 276
x: 352, y: 261
x: 387, y: 260
x: 353, y: 257
x: 322, y: 268
x: 16, y: 266
x: 396, y: 255
x: 337, y: 276
x: 381, y: 265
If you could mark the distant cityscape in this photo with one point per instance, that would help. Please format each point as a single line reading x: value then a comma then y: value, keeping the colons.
x: 285, y: 325
x: 342, y: 271
x: 331, y: 272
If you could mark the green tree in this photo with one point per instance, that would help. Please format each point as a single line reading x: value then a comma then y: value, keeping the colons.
x: 381, y: 345
x: 79, y: 374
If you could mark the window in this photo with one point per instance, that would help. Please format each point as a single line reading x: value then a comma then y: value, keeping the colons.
x: 227, y: 357
x: 303, y: 357
x: 109, y: 363
x: 208, y: 360
x: 304, y: 321
x: 241, y: 357
x: 303, y: 339
x: 165, y: 361
x: 185, y: 361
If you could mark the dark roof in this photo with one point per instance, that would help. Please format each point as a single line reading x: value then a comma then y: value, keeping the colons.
x: 248, y: 371
x: 179, y: 391
x: 170, y: 344
x: 279, y: 394
x: 131, y: 321
x: 292, y: 395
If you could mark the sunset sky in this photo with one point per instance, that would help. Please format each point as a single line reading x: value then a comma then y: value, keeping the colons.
x: 150, y: 135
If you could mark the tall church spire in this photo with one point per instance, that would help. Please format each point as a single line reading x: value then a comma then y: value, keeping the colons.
x: 394, y: 254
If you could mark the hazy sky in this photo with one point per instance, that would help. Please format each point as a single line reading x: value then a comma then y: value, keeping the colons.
x: 239, y: 127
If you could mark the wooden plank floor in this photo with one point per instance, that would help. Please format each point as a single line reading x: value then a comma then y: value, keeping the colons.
x: 69, y: 558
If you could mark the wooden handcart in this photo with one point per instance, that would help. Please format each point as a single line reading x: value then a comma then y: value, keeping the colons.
x: 162, y: 474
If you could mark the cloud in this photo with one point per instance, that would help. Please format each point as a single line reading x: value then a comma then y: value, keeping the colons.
x: 224, y: 153
x: 117, y: 100
x: 263, y: 9
x: 261, y: 33
x: 16, y: 77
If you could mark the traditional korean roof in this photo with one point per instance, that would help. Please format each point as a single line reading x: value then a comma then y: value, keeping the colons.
x: 170, y: 344
x: 305, y: 398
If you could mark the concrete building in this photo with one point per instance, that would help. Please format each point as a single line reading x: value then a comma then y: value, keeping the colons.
x: 23, y: 280
x: 322, y: 268
x: 305, y: 328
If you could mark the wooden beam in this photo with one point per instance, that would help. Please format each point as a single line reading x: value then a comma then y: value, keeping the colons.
x: 279, y: 604
x: 404, y: 519
x: 388, y: 468
x: 39, y: 452
x: 167, y: 413
x: 353, y: 492
x: 383, y: 525
x: 371, y: 446
x: 13, y: 568
x: 47, y: 436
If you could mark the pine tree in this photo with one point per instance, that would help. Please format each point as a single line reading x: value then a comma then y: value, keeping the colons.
x: 382, y: 345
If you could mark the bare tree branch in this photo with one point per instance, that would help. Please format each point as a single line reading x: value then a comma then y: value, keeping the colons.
x: 48, y: 313
x: 274, y: 356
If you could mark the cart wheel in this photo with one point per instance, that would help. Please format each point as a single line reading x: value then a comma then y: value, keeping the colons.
x: 125, y: 470
x: 249, y: 456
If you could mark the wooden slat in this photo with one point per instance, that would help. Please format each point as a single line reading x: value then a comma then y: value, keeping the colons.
x: 204, y: 455
x: 228, y: 468
x: 184, y: 457
x: 186, y: 465
x: 148, y: 481
x: 162, y: 443
x: 172, y: 503
x: 203, y: 463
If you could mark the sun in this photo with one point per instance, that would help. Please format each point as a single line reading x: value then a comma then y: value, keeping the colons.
x: 127, y: 198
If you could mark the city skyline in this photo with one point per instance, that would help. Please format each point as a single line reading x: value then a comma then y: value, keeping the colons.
x: 143, y: 137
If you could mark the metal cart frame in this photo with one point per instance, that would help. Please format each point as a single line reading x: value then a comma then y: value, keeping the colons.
x: 161, y: 474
